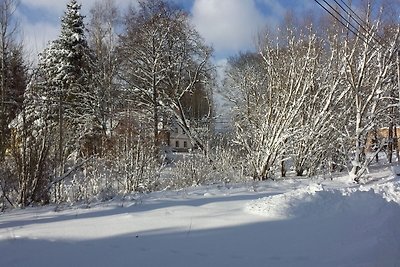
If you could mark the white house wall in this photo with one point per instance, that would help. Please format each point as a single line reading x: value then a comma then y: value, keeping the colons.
x: 180, y: 139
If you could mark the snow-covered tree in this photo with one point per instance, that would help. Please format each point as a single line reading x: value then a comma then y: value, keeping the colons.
x: 316, y: 148
x: 61, y: 109
x: 164, y: 60
x: 13, y: 80
x: 367, y: 79
x: 104, y: 20
x: 274, y: 88
x: 65, y: 80
x: 312, y: 97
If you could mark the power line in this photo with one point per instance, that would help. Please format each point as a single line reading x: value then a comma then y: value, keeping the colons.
x: 355, y: 31
x: 330, y: 13
x: 358, y: 20
x: 351, y: 10
x: 340, y: 15
x: 358, y: 33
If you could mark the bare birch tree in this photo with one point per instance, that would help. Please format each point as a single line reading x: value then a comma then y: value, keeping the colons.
x: 367, y: 71
x: 274, y: 97
x: 164, y: 59
x: 105, y: 19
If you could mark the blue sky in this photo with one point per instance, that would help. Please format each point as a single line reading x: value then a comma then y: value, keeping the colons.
x: 228, y: 25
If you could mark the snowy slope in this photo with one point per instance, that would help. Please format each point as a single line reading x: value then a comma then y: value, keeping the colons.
x: 283, y: 223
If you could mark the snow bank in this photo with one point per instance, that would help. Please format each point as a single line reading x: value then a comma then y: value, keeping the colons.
x: 361, y: 225
x: 314, y: 201
x: 389, y: 191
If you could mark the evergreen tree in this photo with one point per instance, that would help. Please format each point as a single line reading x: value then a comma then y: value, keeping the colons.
x: 60, y: 111
x: 65, y: 82
x: 65, y: 67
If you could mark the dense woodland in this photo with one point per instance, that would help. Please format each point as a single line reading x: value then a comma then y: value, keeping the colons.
x: 88, y: 121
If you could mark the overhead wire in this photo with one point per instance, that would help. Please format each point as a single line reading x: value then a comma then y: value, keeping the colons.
x: 359, y: 21
x: 349, y: 9
x: 358, y: 33
x: 336, y: 18
x: 349, y: 26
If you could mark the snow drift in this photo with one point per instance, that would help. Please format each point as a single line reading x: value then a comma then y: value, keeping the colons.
x: 314, y: 201
x: 360, y: 225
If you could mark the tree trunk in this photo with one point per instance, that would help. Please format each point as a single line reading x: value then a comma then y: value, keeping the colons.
x: 357, y: 160
x: 283, y: 167
x: 390, y: 143
x: 375, y: 144
x: 396, y: 142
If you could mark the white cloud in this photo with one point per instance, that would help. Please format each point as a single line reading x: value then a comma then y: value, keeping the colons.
x: 58, y: 6
x: 38, y: 34
x: 229, y: 25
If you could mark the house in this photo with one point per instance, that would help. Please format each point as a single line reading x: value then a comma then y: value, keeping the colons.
x: 178, y: 140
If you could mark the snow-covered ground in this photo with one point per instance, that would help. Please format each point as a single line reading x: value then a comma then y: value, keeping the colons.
x: 297, y: 222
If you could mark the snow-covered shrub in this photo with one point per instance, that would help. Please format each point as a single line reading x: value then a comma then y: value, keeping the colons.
x: 228, y: 166
x: 193, y: 169
x: 8, y: 182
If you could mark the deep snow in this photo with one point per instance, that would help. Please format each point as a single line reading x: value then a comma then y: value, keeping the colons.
x: 295, y: 222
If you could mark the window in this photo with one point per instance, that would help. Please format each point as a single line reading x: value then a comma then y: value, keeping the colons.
x: 185, y: 144
x: 176, y: 143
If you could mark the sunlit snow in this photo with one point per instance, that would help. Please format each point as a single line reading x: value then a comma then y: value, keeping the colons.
x: 299, y: 222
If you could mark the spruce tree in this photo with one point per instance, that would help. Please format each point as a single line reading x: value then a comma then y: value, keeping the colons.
x: 59, y: 111
x: 65, y: 81
x: 66, y: 66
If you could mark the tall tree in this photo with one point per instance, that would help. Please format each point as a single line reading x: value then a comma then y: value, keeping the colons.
x: 273, y: 88
x: 13, y: 80
x: 164, y: 59
x: 368, y: 67
x: 65, y: 79
x: 61, y: 111
x: 12, y: 70
x: 104, y: 21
